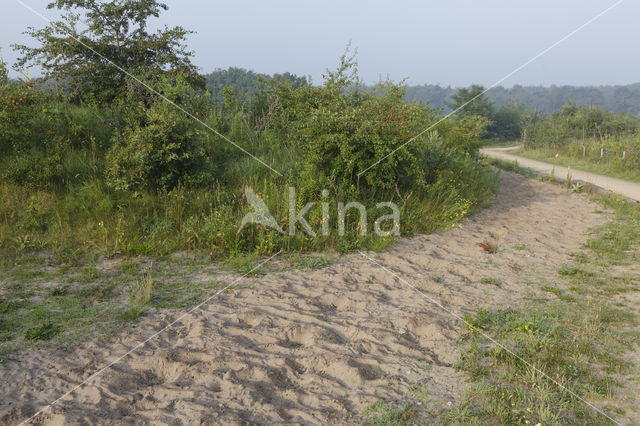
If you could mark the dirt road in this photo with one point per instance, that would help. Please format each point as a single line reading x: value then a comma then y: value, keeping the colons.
x: 622, y: 187
x: 314, y: 346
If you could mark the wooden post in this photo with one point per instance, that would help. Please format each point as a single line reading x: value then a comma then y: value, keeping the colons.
x: 601, y: 152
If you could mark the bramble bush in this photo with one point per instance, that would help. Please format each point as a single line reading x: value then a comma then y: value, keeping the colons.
x: 341, y: 130
x: 161, y: 147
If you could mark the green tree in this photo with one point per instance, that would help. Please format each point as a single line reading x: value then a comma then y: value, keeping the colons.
x: 508, y: 121
x: 117, y: 31
x: 472, y: 101
x: 4, y: 75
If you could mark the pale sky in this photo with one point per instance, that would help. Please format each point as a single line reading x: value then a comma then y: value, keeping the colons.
x: 453, y: 42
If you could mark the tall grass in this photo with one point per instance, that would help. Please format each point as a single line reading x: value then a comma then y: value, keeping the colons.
x: 93, y: 216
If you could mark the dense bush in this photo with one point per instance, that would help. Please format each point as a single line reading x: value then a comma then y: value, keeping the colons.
x: 46, y: 141
x: 343, y: 131
x: 574, y: 122
x: 160, y: 146
x: 140, y: 176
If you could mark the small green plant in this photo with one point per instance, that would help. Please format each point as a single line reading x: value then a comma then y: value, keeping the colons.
x: 244, y: 264
x: 490, y: 281
x: 420, y: 392
x: 559, y: 293
x: 520, y: 247
x: 58, y: 291
x: 569, y: 183
x: 572, y: 271
x: 299, y: 261
x: 579, y: 257
x: 140, y: 295
x: 44, y: 331
x: 577, y: 187
x: 552, y: 176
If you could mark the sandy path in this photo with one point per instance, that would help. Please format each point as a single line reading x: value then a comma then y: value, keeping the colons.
x: 314, y: 346
x: 619, y: 186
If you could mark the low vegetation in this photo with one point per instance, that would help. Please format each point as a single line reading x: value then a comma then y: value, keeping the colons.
x: 585, y: 138
x: 139, y: 177
x: 579, y: 337
x: 97, y: 167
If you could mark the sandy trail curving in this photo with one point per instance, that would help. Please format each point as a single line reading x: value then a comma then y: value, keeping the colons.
x: 314, y: 346
x: 623, y: 187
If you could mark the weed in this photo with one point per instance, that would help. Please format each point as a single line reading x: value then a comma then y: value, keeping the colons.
x: 381, y: 413
x: 559, y: 293
x: 308, y: 262
x: 490, y: 281
x: 579, y: 257
x: 140, y: 295
x: 244, y: 264
x: 44, y: 331
x: 577, y: 187
x: 420, y: 392
x: 568, y: 270
x: 58, y: 291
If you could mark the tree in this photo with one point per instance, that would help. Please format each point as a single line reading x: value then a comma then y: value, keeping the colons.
x: 472, y: 102
x: 509, y: 120
x: 117, y: 34
x: 4, y: 75
x: 477, y: 103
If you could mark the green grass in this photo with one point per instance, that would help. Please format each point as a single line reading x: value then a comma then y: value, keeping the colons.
x: 579, y: 340
x: 559, y: 293
x: 299, y: 261
x: 91, y: 221
x: 60, y: 305
x: 381, y: 413
x: 566, y: 343
x: 490, y: 281
x: 512, y: 166
x: 594, y: 164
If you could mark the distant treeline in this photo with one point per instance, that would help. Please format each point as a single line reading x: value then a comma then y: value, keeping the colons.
x: 620, y: 99
x: 246, y: 83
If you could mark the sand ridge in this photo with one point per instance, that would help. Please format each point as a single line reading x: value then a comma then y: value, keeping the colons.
x: 315, y: 347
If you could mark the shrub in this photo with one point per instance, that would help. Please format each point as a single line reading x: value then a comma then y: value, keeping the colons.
x: 341, y: 130
x: 161, y: 146
x: 45, y: 140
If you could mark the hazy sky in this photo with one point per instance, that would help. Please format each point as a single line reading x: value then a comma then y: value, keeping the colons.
x: 453, y: 42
